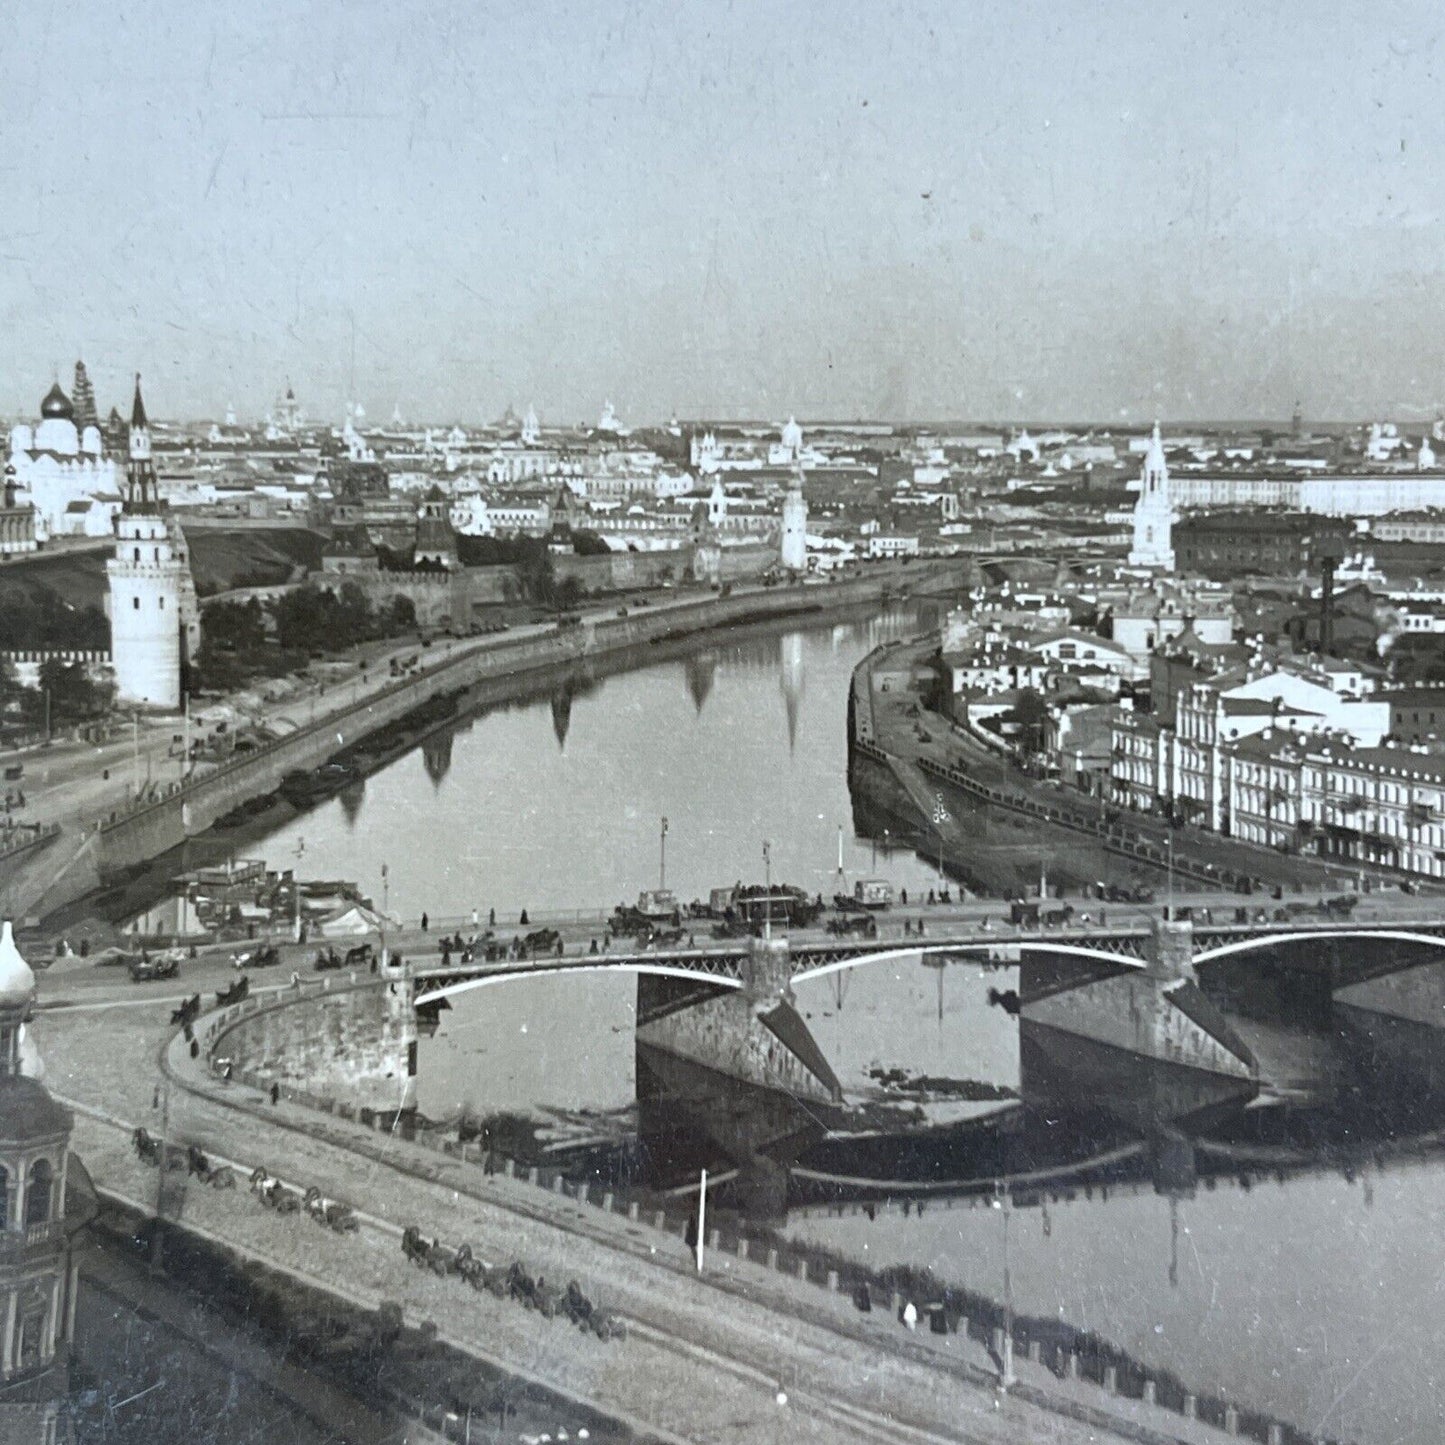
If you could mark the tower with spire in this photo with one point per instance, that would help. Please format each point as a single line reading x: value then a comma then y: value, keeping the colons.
x: 39, y: 1219
x: 1153, y: 512
x: 153, y: 613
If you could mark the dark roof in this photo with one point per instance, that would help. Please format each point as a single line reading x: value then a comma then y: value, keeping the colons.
x: 138, y: 407
x: 28, y: 1113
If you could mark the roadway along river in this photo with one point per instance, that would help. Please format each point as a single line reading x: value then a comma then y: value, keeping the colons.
x: 1317, y: 1297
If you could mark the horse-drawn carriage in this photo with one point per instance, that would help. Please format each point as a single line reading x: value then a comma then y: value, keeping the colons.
x: 217, y: 1176
x: 188, y: 1011
x: 330, y: 1212
x: 148, y: 1150
x: 273, y: 1193
x: 514, y: 1282
x: 233, y: 994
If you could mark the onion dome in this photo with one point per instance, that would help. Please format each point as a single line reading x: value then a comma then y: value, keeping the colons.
x: 17, y: 983
x: 57, y: 405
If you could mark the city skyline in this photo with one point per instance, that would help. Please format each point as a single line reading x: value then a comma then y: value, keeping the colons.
x: 752, y: 212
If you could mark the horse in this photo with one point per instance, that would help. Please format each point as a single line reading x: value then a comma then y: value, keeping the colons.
x: 148, y: 1150
x: 330, y: 1212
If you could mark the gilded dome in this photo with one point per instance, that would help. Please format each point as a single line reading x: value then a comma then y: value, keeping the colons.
x: 57, y: 404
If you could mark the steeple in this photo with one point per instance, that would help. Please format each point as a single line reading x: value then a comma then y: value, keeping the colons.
x: 1154, y: 511
x: 141, y: 472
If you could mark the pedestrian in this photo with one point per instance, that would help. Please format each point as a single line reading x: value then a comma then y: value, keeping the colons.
x: 423, y: 923
x: 275, y: 1093
x: 903, y: 897
x: 156, y: 1098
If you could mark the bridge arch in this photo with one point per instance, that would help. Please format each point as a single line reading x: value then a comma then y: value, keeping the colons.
x: 1074, y: 950
x: 1271, y: 940
x: 590, y: 965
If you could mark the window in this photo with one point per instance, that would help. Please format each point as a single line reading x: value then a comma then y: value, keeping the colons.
x: 37, y: 1193
x: 135, y: 603
x: 162, y: 601
x: 137, y: 554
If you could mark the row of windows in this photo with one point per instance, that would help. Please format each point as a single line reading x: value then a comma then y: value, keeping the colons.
x: 37, y: 1193
x: 135, y: 603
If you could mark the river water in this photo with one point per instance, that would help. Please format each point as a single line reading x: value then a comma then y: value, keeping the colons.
x: 1315, y: 1292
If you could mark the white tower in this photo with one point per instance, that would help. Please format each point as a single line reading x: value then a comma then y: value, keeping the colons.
x: 146, y: 585
x: 793, y: 552
x: 1153, y: 512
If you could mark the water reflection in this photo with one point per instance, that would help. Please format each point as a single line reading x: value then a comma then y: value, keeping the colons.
x: 1260, y: 1243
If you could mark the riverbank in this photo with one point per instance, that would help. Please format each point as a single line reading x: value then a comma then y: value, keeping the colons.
x: 1001, y: 831
x: 493, y: 669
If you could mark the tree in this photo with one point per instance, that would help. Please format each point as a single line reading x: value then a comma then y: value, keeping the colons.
x: 1030, y: 712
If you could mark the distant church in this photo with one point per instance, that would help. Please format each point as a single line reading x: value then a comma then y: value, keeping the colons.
x: 155, y: 621
x: 1153, y: 512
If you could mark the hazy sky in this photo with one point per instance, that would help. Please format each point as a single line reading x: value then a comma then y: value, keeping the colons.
x: 963, y: 210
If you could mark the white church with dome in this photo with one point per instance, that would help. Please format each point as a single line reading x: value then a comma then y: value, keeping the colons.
x: 64, y: 473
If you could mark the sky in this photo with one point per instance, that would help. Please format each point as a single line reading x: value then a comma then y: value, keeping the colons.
x: 964, y: 210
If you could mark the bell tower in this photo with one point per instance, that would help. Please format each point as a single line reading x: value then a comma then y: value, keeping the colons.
x: 1153, y: 512
x: 37, y: 1268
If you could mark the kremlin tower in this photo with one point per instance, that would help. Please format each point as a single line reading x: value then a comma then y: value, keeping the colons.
x: 153, y: 612
x: 793, y: 549
x: 1153, y: 512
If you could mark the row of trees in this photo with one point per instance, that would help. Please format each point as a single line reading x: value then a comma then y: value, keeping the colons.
x: 242, y: 640
x: 35, y: 618
x: 65, y: 693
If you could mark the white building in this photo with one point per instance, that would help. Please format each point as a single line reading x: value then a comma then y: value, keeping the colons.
x: 1153, y: 512
x: 793, y: 542
x: 154, y: 617
x: 56, y: 464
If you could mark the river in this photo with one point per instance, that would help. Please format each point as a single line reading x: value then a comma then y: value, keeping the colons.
x: 1314, y: 1292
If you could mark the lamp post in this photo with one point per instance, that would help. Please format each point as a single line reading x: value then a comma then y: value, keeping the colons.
x: 767, y: 888
x: 662, y: 857
x: 296, y: 885
x: 1006, y: 1377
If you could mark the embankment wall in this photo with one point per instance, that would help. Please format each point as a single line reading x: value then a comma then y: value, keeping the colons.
x: 126, y: 840
x: 354, y: 1044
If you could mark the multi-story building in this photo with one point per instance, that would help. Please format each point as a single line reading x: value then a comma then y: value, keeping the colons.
x: 1234, y: 544
x: 1187, y: 770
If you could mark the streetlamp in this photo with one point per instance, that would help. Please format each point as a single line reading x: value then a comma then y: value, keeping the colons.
x: 662, y: 857
x: 296, y: 884
x: 767, y: 888
x: 1006, y: 1377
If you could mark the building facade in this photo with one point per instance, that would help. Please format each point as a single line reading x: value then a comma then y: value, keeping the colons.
x: 43, y: 1205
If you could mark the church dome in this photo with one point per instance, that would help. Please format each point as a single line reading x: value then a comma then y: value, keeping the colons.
x: 17, y: 983
x: 28, y: 1115
x: 57, y: 404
